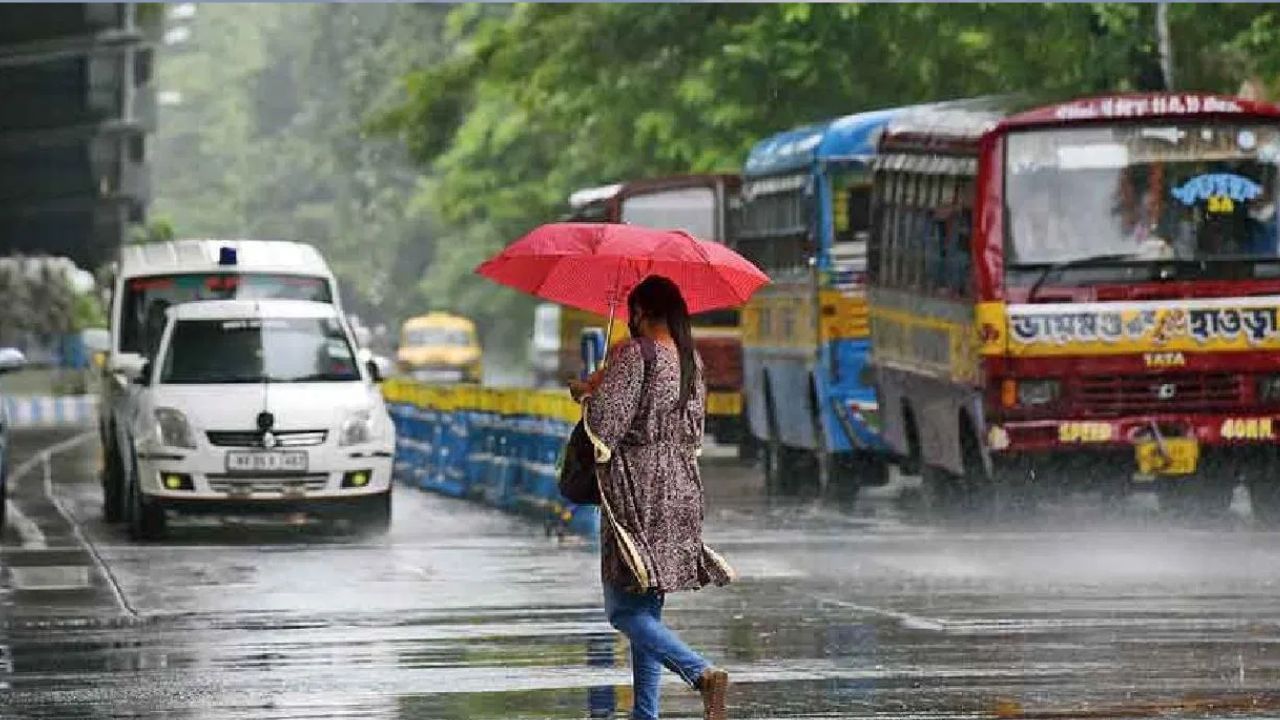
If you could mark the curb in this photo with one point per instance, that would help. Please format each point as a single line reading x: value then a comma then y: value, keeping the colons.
x: 51, y: 410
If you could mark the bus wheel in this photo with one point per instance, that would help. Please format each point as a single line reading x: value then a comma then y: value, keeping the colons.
x: 748, y: 444
x: 978, y: 490
x: 859, y: 469
x: 1197, y: 496
x: 941, y: 490
x: 1264, y: 498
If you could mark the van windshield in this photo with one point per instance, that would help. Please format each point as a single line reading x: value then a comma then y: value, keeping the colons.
x: 142, y: 309
x: 278, y: 350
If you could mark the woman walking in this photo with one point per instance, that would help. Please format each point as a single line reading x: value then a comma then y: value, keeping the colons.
x: 645, y: 413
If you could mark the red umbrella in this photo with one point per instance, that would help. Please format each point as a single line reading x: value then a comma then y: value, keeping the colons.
x: 592, y: 266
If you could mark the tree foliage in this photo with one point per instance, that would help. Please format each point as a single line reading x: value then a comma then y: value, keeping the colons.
x: 268, y: 138
x: 537, y: 100
x: 410, y: 142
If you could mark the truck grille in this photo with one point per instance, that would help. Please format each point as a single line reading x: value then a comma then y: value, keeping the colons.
x: 1124, y: 394
x: 253, y: 438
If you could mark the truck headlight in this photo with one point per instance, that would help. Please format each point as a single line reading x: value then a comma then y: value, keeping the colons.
x: 1037, y: 392
x: 173, y: 429
x: 359, y: 428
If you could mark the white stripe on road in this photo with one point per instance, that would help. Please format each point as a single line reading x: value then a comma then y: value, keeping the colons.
x: 28, y: 531
x: 907, y: 620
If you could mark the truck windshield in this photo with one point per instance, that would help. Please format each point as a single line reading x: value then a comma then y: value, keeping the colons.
x: 1141, y: 192
x: 279, y: 350
x: 142, y: 309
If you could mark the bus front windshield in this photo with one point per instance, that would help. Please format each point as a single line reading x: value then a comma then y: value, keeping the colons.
x: 1142, y: 192
x: 438, y: 336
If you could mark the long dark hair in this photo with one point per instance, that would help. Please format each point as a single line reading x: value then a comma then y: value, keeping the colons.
x: 660, y: 300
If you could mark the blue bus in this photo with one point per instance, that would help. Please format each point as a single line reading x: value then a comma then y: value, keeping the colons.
x: 804, y: 216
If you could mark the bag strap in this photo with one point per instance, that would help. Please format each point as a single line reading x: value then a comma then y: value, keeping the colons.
x: 648, y: 353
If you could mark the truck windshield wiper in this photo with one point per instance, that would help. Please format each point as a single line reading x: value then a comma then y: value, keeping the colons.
x: 1087, y: 261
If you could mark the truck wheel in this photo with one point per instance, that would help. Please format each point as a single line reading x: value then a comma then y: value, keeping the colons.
x: 1196, y: 497
x: 146, y: 519
x: 1264, y: 498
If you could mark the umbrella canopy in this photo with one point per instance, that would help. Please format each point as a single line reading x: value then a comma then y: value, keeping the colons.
x: 592, y: 266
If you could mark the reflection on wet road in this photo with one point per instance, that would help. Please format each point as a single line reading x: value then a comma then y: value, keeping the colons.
x: 462, y: 612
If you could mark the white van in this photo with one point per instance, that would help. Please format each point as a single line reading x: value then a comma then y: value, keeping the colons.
x: 257, y: 406
x: 150, y: 278
x: 544, y: 350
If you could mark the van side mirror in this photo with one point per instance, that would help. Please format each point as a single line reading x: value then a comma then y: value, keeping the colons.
x: 144, y: 374
x: 129, y: 365
x: 375, y: 372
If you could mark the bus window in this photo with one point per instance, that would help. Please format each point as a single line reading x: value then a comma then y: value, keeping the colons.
x: 901, y: 216
x: 773, y: 229
x: 690, y: 209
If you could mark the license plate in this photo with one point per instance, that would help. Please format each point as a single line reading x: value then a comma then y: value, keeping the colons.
x: 251, y: 462
x: 437, y: 376
x: 724, y: 403
x: 1180, y: 457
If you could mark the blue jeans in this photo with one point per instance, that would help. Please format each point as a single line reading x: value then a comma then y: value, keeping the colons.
x: 653, y: 646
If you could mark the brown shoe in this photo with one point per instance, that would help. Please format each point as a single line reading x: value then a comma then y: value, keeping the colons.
x: 714, y: 686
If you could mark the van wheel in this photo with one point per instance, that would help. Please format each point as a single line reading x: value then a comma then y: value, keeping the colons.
x: 375, y: 514
x: 146, y: 519
x: 112, y: 480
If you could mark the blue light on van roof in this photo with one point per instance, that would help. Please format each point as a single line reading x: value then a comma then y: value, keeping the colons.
x: 226, y: 256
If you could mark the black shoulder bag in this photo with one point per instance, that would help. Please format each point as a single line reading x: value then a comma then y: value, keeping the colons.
x: 578, y: 482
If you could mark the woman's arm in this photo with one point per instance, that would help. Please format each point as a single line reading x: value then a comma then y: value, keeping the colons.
x: 610, y: 409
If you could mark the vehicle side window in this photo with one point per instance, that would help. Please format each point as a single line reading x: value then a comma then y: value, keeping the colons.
x: 960, y: 231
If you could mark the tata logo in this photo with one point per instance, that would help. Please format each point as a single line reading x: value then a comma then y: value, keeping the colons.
x: 1164, y: 359
x: 1166, y: 391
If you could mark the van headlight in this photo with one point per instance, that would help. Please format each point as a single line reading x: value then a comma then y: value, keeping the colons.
x: 359, y: 428
x: 173, y: 429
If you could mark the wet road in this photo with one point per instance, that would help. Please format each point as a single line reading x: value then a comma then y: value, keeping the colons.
x: 462, y: 612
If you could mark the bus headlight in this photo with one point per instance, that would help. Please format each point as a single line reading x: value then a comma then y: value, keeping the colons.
x: 1037, y: 392
x: 1269, y: 388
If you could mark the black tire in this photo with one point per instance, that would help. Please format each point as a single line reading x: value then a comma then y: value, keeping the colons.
x: 375, y: 515
x: 860, y: 469
x: 748, y: 447
x: 112, y: 484
x: 911, y: 463
x: 1264, y: 498
x: 147, y: 520
x: 774, y: 454
x: 4, y: 496
x: 1196, y: 497
x: 941, y: 491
